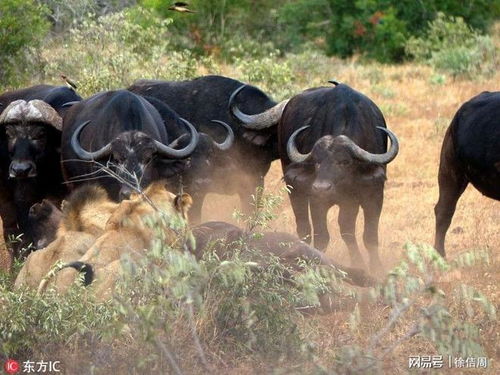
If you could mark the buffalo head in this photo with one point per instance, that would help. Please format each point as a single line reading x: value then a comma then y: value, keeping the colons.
x: 336, y: 164
x: 133, y: 156
x: 27, y: 127
x: 208, y: 160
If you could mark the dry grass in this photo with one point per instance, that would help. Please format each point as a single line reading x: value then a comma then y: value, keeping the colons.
x: 419, y: 112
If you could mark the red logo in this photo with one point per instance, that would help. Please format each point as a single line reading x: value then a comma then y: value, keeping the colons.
x: 11, y: 366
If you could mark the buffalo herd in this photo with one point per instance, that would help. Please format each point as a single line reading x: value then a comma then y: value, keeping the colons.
x: 76, y: 175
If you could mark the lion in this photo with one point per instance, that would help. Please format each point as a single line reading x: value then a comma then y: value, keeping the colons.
x: 126, y: 233
x: 84, y: 217
x: 5, y: 254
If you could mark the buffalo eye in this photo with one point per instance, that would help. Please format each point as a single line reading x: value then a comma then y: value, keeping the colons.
x: 10, y: 131
x: 39, y: 135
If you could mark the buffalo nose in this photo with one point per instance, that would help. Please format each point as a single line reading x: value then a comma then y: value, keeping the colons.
x: 322, y: 187
x: 22, y: 169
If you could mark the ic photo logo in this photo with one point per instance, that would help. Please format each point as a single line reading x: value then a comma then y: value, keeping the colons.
x: 11, y: 366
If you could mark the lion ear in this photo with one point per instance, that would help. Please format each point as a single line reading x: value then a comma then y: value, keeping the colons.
x: 183, y: 203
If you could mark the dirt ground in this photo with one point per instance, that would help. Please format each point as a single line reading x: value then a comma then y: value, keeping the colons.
x: 418, y: 107
x: 419, y: 113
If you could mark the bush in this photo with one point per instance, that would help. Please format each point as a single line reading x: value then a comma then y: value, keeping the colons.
x: 452, y: 46
x: 114, y: 50
x: 412, y: 289
x: 216, y: 22
x: 28, y: 321
x: 64, y: 14
x: 234, y: 303
x: 269, y: 73
x: 18, y: 42
x: 377, y: 29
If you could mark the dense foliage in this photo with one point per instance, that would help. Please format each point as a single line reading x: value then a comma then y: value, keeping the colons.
x: 453, y: 46
x: 23, y: 25
x: 236, y: 31
x: 378, y: 29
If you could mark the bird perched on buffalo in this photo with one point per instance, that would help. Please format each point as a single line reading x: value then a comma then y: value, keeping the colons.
x: 71, y: 84
x: 181, y: 7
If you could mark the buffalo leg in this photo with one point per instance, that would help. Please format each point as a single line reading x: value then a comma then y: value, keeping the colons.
x: 372, y: 209
x: 300, y: 206
x: 452, y: 183
x: 319, y: 211
x: 348, y: 213
x: 195, y: 210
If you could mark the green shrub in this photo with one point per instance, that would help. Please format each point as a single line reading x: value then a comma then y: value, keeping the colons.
x: 23, y: 26
x: 28, y: 321
x: 64, y: 14
x: 269, y: 73
x: 377, y: 29
x: 114, y: 50
x: 412, y: 289
x: 452, y: 46
x: 235, y: 302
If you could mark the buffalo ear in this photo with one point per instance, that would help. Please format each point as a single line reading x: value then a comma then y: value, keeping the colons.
x: 182, y: 203
x: 376, y: 174
x: 299, y: 174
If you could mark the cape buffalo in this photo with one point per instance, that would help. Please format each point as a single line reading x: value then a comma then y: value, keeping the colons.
x: 30, y: 139
x: 241, y: 168
x: 332, y: 145
x: 120, y: 139
x: 470, y: 153
x: 202, y: 172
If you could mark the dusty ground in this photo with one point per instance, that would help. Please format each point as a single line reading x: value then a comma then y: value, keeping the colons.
x: 418, y: 105
x: 418, y: 111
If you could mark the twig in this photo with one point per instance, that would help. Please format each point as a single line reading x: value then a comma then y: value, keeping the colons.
x: 196, y: 339
x: 412, y: 332
x: 167, y: 353
x: 398, y: 312
x: 158, y: 343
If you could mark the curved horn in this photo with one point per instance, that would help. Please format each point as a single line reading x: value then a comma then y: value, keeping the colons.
x: 183, y: 152
x: 69, y: 104
x: 291, y: 148
x: 34, y: 110
x: 228, y: 142
x: 83, y: 154
x: 49, y: 114
x: 258, y: 121
x: 334, y: 82
x: 384, y: 158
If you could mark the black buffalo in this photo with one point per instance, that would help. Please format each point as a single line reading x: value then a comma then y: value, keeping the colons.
x: 470, y: 154
x: 30, y: 139
x: 332, y: 145
x: 242, y: 167
x: 203, y: 166
x: 121, y: 140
